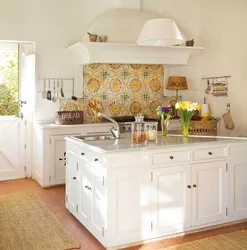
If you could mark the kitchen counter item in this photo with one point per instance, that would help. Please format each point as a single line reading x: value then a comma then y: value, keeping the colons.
x: 138, y: 132
x: 151, y: 130
x: 69, y: 117
x: 203, y: 127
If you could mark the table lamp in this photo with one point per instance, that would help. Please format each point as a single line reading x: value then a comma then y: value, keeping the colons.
x: 177, y: 83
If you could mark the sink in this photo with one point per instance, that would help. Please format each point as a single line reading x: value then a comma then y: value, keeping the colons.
x: 94, y: 137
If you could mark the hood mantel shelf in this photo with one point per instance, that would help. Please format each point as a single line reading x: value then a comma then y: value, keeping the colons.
x: 127, y: 53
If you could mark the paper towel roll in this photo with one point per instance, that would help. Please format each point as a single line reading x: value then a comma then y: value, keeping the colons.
x: 204, y: 110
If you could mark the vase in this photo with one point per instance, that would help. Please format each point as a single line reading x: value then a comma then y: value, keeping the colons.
x: 164, y: 125
x: 185, y: 128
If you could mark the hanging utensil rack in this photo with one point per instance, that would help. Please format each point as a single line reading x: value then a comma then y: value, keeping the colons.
x: 58, y: 88
x: 217, y: 85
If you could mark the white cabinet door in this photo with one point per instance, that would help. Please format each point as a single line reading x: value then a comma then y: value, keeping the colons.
x: 238, y: 182
x: 98, y: 219
x: 85, y: 193
x: 58, y: 159
x: 72, y: 183
x: 129, y: 213
x: 209, y: 192
x: 171, y: 199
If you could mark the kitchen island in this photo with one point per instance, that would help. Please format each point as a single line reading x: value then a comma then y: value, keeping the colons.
x: 126, y: 193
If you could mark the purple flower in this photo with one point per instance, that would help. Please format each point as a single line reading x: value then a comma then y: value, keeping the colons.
x: 165, y: 109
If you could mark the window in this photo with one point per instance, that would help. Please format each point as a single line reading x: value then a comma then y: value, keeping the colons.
x: 9, y: 79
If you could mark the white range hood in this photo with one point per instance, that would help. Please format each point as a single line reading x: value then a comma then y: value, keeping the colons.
x: 95, y: 52
x: 122, y: 27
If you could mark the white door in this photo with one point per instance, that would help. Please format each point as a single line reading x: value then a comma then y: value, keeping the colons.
x: 13, y: 124
x: 209, y: 191
x: 171, y: 199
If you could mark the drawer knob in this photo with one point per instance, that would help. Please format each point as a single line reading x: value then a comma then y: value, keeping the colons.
x: 189, y: 186
x: 194, y: 185
x: 171, y: 157
x: 74, y: 178
x: 60, y: 159
x: 82, y: 153
x: 210, y: 153
x: 95, y: 159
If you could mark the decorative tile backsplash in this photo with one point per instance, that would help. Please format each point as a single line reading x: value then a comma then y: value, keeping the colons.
x: 120, y: 89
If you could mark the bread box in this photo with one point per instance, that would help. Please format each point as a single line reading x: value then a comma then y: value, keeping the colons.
x: 69, y: 117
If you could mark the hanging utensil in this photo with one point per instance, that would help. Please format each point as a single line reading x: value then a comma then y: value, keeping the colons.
x: 44, y: 94
x: 54, y: 94
x: 73, y: 97
x: 207, y: 90
x: 61, y: 90
x: 58, y: 89
x: 49, y: 92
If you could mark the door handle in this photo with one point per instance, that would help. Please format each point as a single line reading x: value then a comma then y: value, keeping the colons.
x: 189, y: 186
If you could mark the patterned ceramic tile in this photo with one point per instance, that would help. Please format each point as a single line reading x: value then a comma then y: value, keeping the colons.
x: 121, y: 89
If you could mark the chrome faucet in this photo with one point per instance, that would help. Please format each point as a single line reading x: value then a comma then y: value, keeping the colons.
x: 115, y: 131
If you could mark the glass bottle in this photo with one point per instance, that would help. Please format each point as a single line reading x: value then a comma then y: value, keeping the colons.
x: 151, y: 130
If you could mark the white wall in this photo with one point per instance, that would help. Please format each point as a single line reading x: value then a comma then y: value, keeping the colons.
x: 219, y: 26
x: 52, y: 25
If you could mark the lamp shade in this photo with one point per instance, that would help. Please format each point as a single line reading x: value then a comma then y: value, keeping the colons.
x: 160, y: 32
x: 177, y: 83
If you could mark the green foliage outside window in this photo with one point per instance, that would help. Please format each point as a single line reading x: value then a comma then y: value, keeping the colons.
x: 9, y: 85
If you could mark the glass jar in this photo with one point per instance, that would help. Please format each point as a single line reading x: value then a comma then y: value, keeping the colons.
x: 138, y: 132
x: 151, y: 130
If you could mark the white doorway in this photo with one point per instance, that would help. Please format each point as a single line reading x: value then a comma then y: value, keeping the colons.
x: 17, y: 78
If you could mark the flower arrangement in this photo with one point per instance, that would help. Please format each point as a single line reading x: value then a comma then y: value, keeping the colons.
x: 186, y: 110
x: 165, y: 113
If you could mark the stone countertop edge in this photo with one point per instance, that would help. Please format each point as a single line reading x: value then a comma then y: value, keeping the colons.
x: 125, y: 145
x: 54, y: 125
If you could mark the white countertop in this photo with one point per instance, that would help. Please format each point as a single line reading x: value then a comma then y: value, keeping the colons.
x: 125, y: 144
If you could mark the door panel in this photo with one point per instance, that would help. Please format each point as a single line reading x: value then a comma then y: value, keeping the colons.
x: 172, y: 203
x: 72, y: 183
x: 209, y: 192
x: 238, y: 183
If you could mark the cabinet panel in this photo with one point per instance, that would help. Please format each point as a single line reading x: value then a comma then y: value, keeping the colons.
x: 72, y: 183
x: 85, y: 193
x: 130, y: 205
x: 209, y: 192
x: 238, y: 183
x: 58, y: 159
x: 238, y: 187
x: 171, y: 200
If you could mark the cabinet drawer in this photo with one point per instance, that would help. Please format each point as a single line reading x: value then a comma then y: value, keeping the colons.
x: 170, y: 157
x: 209, y: 153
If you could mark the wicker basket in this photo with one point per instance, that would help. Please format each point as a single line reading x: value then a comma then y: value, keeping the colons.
x: 203, y: 127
